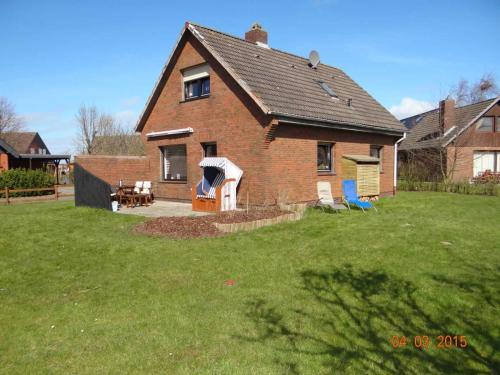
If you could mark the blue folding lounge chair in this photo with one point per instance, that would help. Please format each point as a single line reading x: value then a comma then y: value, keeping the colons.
x: 351, y: 196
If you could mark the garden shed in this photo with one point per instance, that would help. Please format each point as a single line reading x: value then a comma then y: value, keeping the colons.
x: 365, y: 170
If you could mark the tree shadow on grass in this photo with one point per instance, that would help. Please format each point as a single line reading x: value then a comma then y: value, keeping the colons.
x: 347, y: 319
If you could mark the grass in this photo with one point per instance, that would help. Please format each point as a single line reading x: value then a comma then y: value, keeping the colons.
x: 80, y: 294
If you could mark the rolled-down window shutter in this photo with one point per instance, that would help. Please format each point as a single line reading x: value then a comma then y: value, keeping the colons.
x: 195, y: 73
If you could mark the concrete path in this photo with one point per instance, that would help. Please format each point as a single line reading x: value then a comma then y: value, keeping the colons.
x: 162, y: 208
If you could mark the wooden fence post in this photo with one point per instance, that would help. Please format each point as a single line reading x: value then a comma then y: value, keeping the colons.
x: 7, y: 194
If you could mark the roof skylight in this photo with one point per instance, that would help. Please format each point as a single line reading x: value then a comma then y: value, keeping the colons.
x: 325, y: 86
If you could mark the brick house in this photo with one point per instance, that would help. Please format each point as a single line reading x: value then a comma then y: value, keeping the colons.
x: 26, y: 150
x: 284, y: 120
x: 468, y: 137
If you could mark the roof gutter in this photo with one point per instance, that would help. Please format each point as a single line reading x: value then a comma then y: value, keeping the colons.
x: 396, y: 162
x: 336, y: 125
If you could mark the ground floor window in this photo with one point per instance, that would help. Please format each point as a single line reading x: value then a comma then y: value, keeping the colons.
x: 209, y: 149
x: 174, y: 163
x: 325, y: 162
x: 486, y: 160
x: 378, y: 152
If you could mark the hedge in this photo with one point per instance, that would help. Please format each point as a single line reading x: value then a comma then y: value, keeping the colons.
x: 26, y: 179
x: 457, y: 187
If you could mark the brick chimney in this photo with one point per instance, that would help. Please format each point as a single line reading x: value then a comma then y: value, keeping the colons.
x: 256, y: 34
x: 446, y: 114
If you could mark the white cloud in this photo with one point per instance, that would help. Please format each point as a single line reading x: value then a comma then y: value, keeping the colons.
x: 57, y: 128
x: 130, y: 102
x: 409, y: 107
x: 127, y: 118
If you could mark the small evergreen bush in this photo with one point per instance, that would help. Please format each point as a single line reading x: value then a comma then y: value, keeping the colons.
x: 26, y: 179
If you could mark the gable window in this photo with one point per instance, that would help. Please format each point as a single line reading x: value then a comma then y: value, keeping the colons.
x: 485, y: 124
x: 324, y: 163
x: 209, y: 149
x: 197, y: 88
x: 174, y: 163
x: 196, y: 82
x: 378, y: 152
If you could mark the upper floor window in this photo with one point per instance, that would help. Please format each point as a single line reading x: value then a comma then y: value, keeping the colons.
x: 324, y: 163
x: 196, y: 82
x: 486, y: 124
x: 378, y: 152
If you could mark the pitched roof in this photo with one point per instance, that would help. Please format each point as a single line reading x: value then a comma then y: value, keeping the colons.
x: 8, y: 148
x: 284, y: 85
x: 424, y: 129
x: 20, y: 141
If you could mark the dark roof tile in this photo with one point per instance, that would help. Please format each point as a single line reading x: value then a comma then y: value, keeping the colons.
x: 286, y: 85
x: 20, y: 141
x: 423, y: 127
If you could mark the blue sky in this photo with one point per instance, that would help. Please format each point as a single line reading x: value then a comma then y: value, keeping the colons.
x: 57, y: 55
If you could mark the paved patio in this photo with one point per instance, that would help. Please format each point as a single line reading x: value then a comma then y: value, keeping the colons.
x: 162, y: 208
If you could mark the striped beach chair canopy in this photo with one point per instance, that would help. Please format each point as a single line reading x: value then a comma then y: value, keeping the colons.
x: 215, y: 171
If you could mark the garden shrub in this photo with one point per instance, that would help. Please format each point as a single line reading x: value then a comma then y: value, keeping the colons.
x: 26, y: 179
x: 455, y: 187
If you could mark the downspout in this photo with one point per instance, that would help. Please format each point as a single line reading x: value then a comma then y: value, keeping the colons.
x: 396, y: 163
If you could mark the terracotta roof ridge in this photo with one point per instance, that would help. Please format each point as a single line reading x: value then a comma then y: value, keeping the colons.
x: 480, y: 102
x: 253, y: 44
x: 457, y: 107
x: 420, y: 114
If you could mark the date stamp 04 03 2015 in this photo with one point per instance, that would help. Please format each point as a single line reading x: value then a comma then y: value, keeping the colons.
x: 423, y: 342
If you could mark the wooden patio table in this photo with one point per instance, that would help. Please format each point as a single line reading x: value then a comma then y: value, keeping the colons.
x: 125, y: 193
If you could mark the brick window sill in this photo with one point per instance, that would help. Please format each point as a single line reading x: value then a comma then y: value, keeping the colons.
x: 194, y: 99
x: 327, y: 173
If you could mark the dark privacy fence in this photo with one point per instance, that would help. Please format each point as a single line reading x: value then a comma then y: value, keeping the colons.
x: 90, y: 190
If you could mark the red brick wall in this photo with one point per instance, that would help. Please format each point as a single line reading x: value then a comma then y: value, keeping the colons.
x: 113, y: 168
x: 293, y: 155
x: 228, y: 116
x: 4, y: 162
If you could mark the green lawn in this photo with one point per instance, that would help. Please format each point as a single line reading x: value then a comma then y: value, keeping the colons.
x: 80, y: 293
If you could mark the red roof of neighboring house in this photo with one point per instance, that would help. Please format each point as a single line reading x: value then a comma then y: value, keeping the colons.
x: 20, y: 141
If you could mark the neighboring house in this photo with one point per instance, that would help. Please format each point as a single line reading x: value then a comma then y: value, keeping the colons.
x: 468, y: 137
x: 284, y: 121
x: 26, y: 150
